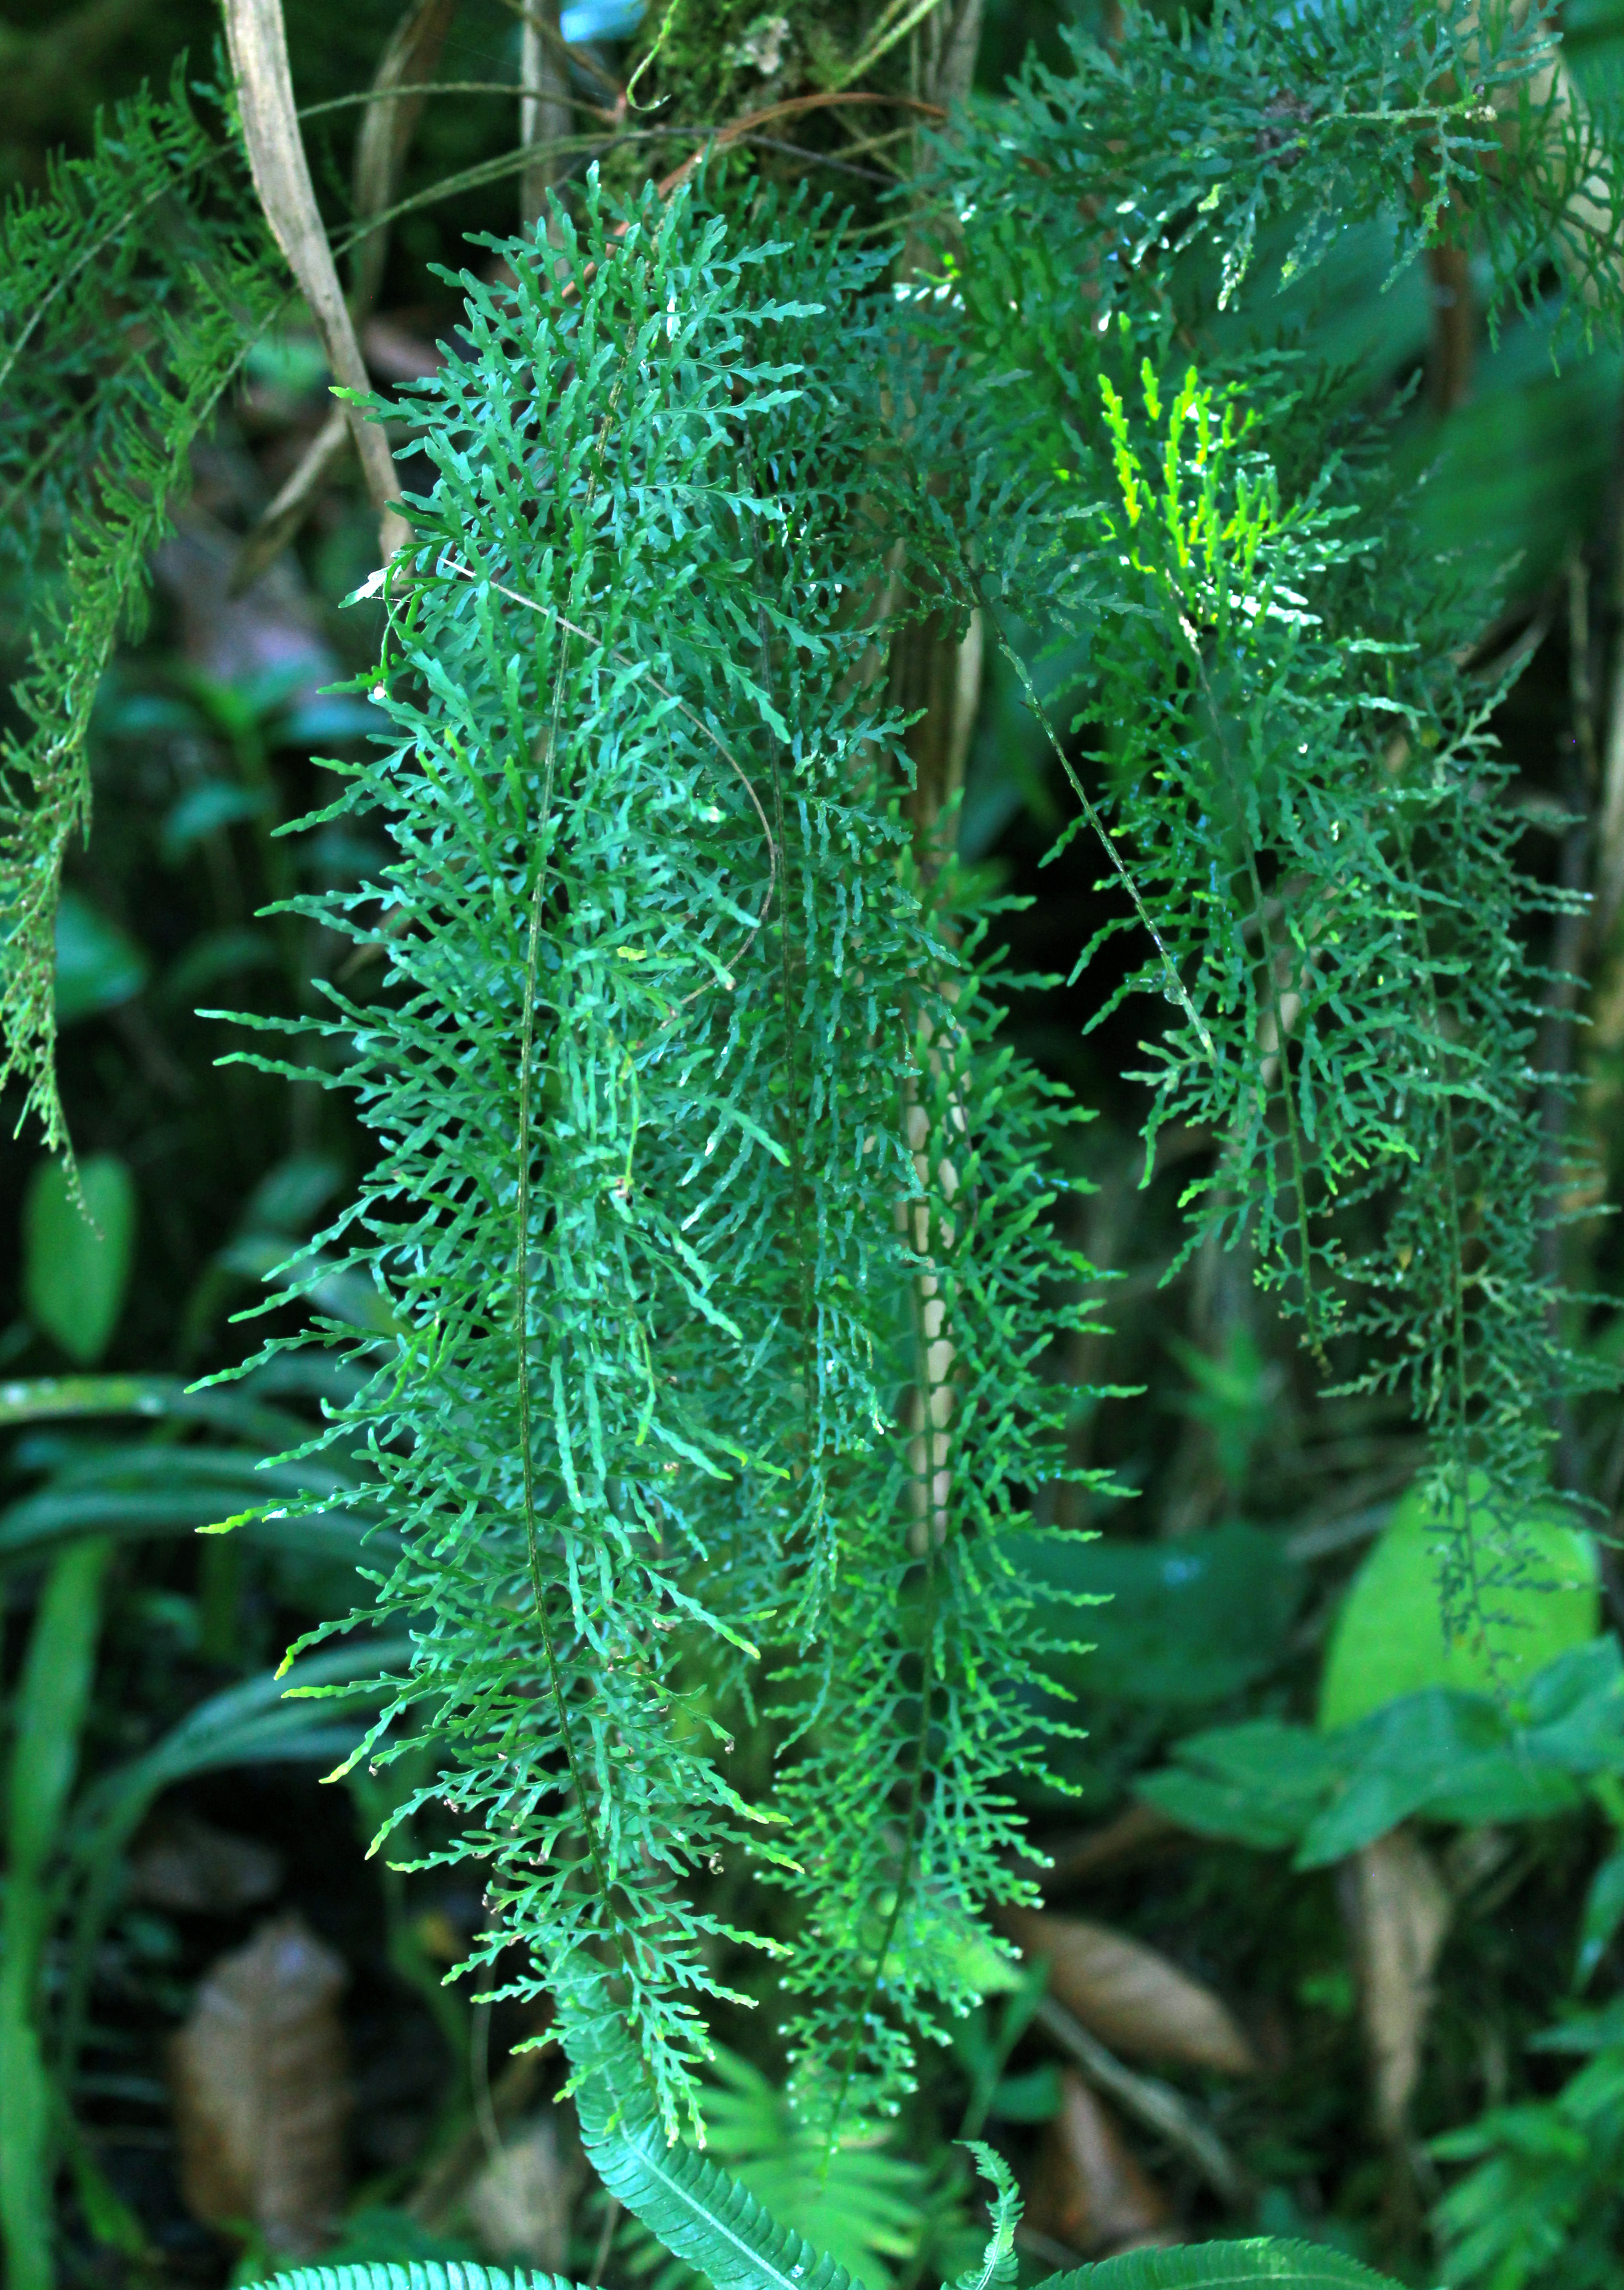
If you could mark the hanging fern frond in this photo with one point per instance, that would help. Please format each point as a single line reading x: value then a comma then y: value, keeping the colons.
x: 134, y: 286
x: 683, y: 1100
x: 715, y: 1227
x: 1295, y: 776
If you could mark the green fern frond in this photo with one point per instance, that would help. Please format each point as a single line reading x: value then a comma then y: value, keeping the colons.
x: 134, y: 285
x: 1296, y: 772
x: 998, y: 2262
x: 1209, y: 140
x: 418, y: 2274
x: 701, y: 2214
x: 1225, y: 2266
x: 683, y: 1090
x: 864, y: 2205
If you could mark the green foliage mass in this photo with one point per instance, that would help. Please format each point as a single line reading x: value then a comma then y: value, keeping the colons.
x: 697, y: 1149
x: 1542, y: 2202
x: 134, y: 290
x: 712, y: 1245
x: 1386, y: 1640
x: 1301, y: 798
x: 861, y: 2206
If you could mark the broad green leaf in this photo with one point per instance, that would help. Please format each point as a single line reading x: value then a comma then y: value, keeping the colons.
x: 289, y: 360
x: 1584, y: 2032
x: 1219, y: 2265
x: 1033, y: 2096
x: 97, y: 965
x: 347, y: 1296
x: 215, y: 955
x: 1502, y: 1786
x: 1260, y: 1783
x: 109, y: 2218
x: 253, y: 1724
x: 1191, y: 1620
x: 52, y: 1700
x: 1407, y: 1754
x: 1389, y: 1638
x: 1449, y: 1756
x: 132, y: 1514
x: 273, y: 1718
x: 291, y: 1194
x: 1573, y: 1710
x: 203, y: 810
x: 76, y: 1259
x: 1521, y: 462
x: 161, y: 1490
x: 328, y: 716
x: 1209, y: 1807
x: 42, y: 1398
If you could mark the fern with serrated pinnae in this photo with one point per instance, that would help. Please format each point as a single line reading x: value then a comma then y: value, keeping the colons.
x: 1199, y: 2266
x: 134, y: 290
x: 1302, y: 792
x: 1186, y: 141
x: 941, y: 1626
x: 998, y: 2262
x: 665, y: 1030
x: 1357, y: 946
x: 419, y: 2274
x: 1202, y: 2266
x: 85, y: 271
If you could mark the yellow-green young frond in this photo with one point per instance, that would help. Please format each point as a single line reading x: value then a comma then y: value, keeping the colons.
x: 1297, y: 781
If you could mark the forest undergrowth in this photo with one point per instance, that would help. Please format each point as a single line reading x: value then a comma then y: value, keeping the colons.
x: 818, y: 1044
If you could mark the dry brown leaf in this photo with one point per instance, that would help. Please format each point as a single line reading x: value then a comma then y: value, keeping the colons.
x: 521, y: 2202
x: 259, y: 2089
x: 1185, y: 2125
x: 258, y: 41
x: 1131, y: 1996
x: 183, y: 1862
x: 1088, y: 2190
x: 1398, y: 1908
